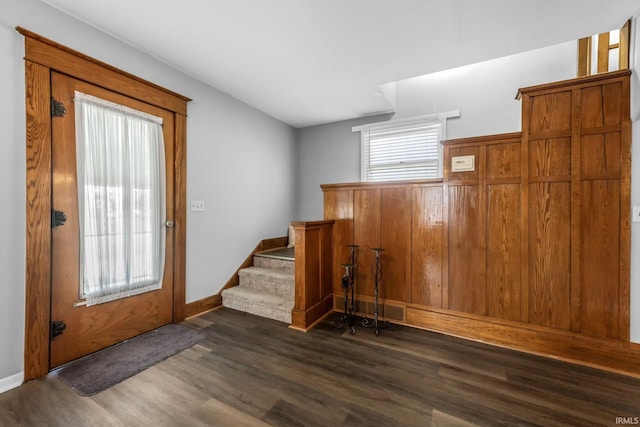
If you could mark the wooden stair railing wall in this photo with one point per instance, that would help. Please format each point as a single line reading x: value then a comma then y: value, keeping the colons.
x: 530, y: 250
x: 313, y: 258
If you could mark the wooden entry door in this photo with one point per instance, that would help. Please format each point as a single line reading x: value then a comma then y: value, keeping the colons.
x: 89, y: 329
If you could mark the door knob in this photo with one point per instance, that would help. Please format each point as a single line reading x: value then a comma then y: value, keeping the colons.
x: 169, y: 223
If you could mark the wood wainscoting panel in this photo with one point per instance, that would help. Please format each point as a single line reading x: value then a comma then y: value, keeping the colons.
x: 600, y: 258
x: 503, y: 251
x: 549, y: 254
x: 312, y: 266
x: 395, y: 236
x: 503, y: 161
x: 550, y: 115
x: 537, y: 237
x: 600, y: 156
x: 601, y: 105
x: 366, y: 234
x: 467, y: 266
x: 338, y: 206
x: 426, y: 246
x: 466, y: 177
x: 550, y: 158
x: 326, y: 262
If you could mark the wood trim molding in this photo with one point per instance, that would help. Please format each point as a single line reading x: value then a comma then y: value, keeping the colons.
x: 565, y: 84
x: 603, y: 52
x: 584, y: 56
x: 43, y: 56
x: 625, y: 35
x: 485, y: 139
x: 609, y: 355
x: 53, y: 55
x: 38, y: 232
x: 200, y: 306
x: 180, y: 221
x: 385, y: 184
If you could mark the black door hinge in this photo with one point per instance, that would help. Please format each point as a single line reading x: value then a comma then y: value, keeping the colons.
x: 57, y: 108
x: 57, y: 328
x: 58, y: 218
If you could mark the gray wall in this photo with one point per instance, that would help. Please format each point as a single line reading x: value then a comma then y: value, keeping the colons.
x: 635, y: 180
x: 327, y: 154
x: 484, y: 93
x: 240, y: 162
x: 12, y: 195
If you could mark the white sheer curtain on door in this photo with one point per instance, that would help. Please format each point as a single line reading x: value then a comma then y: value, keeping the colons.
x: 121, y: 199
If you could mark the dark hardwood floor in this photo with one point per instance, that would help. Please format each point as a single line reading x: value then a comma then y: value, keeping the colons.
x: 255, y: 372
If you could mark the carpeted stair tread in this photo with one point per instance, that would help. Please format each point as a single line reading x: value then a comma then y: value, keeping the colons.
x: 272, y: 263
x: 268, y: 280
x: 260, y: 303
x: 269, y: 272
x: 267, y: 289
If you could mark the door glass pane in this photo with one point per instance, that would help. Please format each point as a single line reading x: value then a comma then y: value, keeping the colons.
x: 121, y: 188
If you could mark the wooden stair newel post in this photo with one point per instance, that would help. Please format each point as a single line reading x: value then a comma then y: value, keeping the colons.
x: 313, y: 268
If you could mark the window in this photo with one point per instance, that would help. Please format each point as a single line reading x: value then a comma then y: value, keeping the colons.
x: 404, y: 149
x: 121, y: 187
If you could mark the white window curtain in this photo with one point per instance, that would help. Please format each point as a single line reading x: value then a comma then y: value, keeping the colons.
x: 405, y: 149
x: 121, y: 198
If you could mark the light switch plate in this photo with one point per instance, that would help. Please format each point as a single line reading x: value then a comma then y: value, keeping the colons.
x: 636, y: 214
x: 197, y: 206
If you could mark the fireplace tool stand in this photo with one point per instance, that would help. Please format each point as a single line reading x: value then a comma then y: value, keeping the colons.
x: 348, y: 318
x: 376, y: 275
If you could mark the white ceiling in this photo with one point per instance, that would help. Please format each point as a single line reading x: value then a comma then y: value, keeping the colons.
x: 307, y: 62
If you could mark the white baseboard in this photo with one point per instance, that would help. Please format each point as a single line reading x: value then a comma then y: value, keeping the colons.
x: 10, y: 382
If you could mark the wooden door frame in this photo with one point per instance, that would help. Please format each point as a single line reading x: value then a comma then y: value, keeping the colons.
x: 42, y: 56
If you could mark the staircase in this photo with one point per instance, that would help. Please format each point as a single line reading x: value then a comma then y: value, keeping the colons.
x: 267, y: 288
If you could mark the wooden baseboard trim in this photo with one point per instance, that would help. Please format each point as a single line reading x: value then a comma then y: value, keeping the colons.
x: 200, y: 306
x: 305, y: 320
x: 608, y: 355
x: 313, y: 325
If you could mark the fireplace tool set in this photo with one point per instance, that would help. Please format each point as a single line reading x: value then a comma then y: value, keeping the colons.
x: 348, y: 318
x: 376, y: 275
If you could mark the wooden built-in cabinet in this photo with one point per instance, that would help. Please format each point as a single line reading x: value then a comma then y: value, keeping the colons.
x: 536, y: 236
